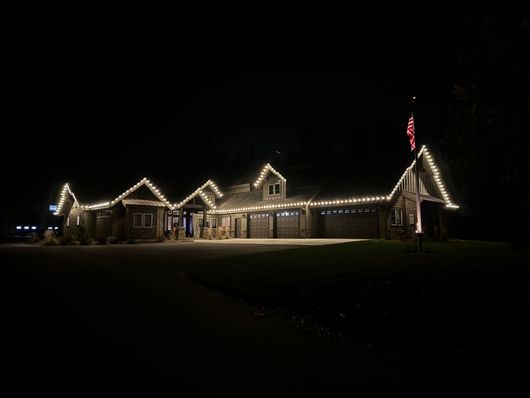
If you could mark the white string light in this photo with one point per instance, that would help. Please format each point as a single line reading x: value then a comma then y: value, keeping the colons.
x: 264, y: 173
x: 62, y: 199
x: 367, y: 199
x: 263, y: 207
x: 213, y: 209
x: 197, y: 192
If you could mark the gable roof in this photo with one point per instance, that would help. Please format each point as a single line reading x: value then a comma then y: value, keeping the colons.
x: 62, y: 198
x: 200, y: 191
x: 424, y: 152
x: 264, y: 171
x: 143, y: 182
x: 102, y: 205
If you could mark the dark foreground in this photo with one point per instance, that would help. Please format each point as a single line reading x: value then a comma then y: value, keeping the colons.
x: 459, y: 311
x: 126, y: 320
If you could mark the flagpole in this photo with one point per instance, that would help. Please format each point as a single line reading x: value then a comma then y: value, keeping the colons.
x: 419, y: 228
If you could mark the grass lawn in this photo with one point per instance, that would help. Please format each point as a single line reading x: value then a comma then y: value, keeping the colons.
x: 461, y: 307
x: 278, y: 275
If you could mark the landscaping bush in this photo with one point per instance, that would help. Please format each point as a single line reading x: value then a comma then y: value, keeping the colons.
x: 111, y: 240
x: 50, y: 239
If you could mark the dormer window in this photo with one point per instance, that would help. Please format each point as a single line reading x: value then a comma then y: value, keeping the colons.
x: 274, y: 189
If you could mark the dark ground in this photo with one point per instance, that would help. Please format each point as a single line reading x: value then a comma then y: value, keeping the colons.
x: 127, y: 320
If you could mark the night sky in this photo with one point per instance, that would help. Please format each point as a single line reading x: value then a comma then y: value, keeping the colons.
x: 102, y: 99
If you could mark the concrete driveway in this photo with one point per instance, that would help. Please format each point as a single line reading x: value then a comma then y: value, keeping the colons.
x: 126, y: 319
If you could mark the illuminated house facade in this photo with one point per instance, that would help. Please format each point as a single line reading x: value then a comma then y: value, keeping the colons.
x: 264, y: 208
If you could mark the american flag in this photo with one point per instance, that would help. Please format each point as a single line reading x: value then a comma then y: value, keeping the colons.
x: 411, y: 133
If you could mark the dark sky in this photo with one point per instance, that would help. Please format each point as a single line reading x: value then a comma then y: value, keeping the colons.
x: 101, y: 98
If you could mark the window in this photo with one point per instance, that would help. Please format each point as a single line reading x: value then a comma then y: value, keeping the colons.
x: 274, y: 189
x: 148, y: 220
x: 138, y: 220
x: 213, y: 222
x: 143, y: 220
x: 396, y: 217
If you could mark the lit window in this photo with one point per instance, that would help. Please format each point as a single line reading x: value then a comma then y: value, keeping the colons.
x: 78, y: 219
x: 328, y: 212
x: 347, y: 211
x: 334, y: 211
x: 148, y: 220
x: 396, y: 217
x: 341, y: 211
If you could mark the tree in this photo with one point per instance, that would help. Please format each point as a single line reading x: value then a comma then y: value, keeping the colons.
x: 488, y: 116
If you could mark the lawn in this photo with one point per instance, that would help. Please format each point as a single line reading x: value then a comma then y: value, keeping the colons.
x: 459, y: 308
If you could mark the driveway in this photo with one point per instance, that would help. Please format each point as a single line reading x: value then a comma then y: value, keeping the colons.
x: 127, y: 319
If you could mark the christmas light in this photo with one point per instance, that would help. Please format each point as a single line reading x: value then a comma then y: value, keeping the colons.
x: 64, y: 191
x: 264, y: 173
x: 210, y: 183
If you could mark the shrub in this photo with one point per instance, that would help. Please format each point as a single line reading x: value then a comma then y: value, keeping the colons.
x: 91, y: 242
x: 50, y: 239
x: 131, y: 241
x: 111, y: 240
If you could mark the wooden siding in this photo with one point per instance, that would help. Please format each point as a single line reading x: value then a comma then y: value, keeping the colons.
x: 141, y: 233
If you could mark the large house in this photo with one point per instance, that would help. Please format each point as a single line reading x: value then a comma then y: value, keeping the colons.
x: 266, y: 207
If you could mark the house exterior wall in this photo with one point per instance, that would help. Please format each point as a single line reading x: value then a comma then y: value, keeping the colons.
x: 141, y: 233
x: 70, y: 228
x: 273, y: 180
x: 118, y: 222
x: 242, y: 217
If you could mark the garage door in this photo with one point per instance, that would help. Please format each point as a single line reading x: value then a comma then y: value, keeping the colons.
x: 259, y: 226
x: 348, y: 223
x: 287, y: 224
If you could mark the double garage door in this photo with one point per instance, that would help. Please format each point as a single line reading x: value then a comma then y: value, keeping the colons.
x: 348, y: 223
x: 287, y: 225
